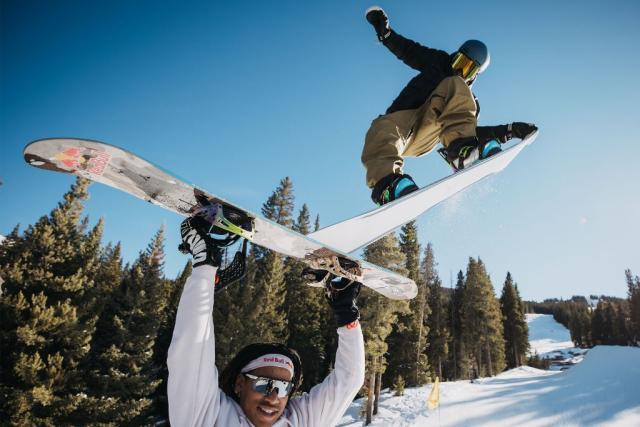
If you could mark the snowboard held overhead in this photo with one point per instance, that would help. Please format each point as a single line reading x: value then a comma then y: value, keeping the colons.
x: 127, y: 172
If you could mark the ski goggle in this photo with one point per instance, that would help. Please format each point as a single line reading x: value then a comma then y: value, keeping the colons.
x: 266, y: 385
x: 467, y: 68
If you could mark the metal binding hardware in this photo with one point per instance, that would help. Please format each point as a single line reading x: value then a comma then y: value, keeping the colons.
x: 326, y: 260
x: 226, y: 224
x: 238, y: 223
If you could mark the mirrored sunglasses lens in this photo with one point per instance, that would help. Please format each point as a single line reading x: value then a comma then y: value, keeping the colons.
x: 283, y: 387
x: 261, y: 385
x: 266, y: 386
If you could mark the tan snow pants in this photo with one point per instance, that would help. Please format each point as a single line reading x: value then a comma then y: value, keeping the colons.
x: 448, y: 114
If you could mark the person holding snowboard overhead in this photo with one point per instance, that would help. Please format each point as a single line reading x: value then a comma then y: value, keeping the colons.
x: 437, y: 105
x: 257, y: 387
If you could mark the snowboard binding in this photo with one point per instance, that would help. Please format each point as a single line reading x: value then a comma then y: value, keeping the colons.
x: 469, y: 155
x: 233, y: 272
x: 325, y: 279
x: 317, y: 278
x: 326, y: 263
x: 227, y: 224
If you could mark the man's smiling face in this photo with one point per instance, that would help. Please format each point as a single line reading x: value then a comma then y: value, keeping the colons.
x: 262, y: 410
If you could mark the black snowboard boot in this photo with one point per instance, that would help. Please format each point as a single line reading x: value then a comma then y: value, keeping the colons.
x: 464, y: 152
x: 392, y: 187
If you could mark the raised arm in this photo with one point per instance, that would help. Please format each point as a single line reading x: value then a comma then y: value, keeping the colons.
x: 327, y: 402
x: 193, y: 378
x: 411, y: 53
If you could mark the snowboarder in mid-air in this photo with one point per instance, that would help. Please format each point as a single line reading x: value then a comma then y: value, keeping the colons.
x: 437, y: 105
x: 256, y: 387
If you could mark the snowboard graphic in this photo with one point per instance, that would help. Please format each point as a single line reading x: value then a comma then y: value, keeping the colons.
x: 127, y: 172
x: 359, y: 231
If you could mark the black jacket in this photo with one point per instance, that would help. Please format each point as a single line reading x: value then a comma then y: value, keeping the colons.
x: 434, y: 66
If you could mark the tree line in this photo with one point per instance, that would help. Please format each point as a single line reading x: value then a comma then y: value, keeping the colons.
x: 601, y: 320
x: 84, y: 335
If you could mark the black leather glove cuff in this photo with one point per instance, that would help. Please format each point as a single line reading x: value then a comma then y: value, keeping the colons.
x: 345, y: 316
x: 383, y: 36
x: 342, y: 299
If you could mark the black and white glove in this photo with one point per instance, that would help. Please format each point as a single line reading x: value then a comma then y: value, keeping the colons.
x: 197, y: 242
x: 504, y: 133
x: 342, y: 296
x: 376, y: 17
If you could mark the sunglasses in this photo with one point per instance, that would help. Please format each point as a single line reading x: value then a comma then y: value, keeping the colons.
x: 266, y: 385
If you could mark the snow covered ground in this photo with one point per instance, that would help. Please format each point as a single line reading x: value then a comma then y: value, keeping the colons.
x: 546, y: 335
x: 603, y: 390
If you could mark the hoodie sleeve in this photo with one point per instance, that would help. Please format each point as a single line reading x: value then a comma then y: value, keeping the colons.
x: 412, y: 53
x: 327, y: 402
x: 194, y: 396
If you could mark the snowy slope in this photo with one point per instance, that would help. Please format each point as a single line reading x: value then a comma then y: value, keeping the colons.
x: 603, y: 390
x: 546, y: 335
x: 549, y: 339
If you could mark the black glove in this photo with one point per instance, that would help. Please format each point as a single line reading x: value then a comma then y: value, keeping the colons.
x: 522, y: 130
x: 341, y: 296
x: 197, y: 242
x: 376, y: 17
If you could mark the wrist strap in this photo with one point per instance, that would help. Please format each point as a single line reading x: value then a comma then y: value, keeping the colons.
x: 385, y: 36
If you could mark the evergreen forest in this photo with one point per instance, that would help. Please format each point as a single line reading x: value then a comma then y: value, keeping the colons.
x: 84, y: 333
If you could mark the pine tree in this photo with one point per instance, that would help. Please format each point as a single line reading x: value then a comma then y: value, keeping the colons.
x: 268, y: 311
x: 378, y: 313
x: 482, y: 325
x: 307, y: 315
x: 125, y: 375
x: 459, y: 360
x: 438, y: 338
x: 279, y: 206
x: 108, y: 281
x: 610, y: 324
x: 47, y: 312
x: 580, y: 327
x: 633, y: 292
x: 408, y: 338
x: 619, y: 323
x: 598, y: 333
x: 515, y: 327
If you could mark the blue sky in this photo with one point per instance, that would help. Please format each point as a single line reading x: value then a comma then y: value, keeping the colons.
x: 234, y: 96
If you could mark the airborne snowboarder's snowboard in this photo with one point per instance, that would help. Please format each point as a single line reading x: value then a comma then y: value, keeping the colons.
x: 357, y: 232
x: 125, y: 171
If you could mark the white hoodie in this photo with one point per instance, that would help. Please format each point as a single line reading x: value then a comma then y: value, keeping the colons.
x: 194, y: 396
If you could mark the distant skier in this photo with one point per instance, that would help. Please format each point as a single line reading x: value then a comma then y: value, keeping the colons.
x: 437, y: 105
x: 257, y: 385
